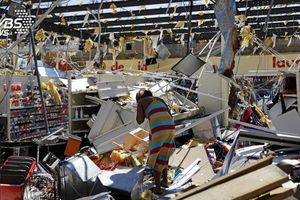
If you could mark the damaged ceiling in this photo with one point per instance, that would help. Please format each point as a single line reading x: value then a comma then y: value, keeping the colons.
x: 136, y: 18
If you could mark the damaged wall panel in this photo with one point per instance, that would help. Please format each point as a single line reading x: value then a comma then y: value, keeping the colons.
x: 109, y: 117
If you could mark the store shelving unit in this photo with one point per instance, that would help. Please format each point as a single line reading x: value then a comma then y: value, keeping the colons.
x: 25, y: 122
x: 81, y: 109
x: 28, y: 122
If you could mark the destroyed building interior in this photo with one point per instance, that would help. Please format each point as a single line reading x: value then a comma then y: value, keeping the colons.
x: 149, y: 99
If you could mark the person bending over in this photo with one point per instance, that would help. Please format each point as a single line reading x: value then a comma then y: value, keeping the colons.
x: 161, y: 138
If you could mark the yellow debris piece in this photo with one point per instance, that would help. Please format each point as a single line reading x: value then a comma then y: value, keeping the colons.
x: 88, y: 45
x: 113, y: 8
x: 247, y: 34
x: 40, y: 35
x: 116, y: 156
x: 180, y: 24
x: 53, y: 92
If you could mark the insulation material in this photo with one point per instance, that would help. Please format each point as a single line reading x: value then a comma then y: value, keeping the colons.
x: 63, y: 20
x: 86, y: 19
x: 54, y: 93
x: 40, y: 35
x: 148, y: 49
x: 117, y: 156
x: 262, y: 116
x: 154, y: 39
x: 274, y: 38
x: 161, y: 33
x: 182, y: 42
x: 122, y: 43
x: 247, y: 34
x: 88, y: 45
x: 3, y: 43
x: 113, y: 8
x: 206, y: 2
x: 96, y: 31
x: 290, y: 41
x: 68, y: 38
x: 241, y: 20
x: 111, y: 36
x: 201, y: 13
x: 115, y: 53
x: 268, y: 42
x: 147, y: 195
x: 170, y: 32
x: 180, y: 24
x: 200, y: 22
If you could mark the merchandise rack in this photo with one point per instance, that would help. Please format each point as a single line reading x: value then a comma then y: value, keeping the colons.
x: 27, y: 122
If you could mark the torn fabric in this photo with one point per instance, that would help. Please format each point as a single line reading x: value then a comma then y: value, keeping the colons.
x: 225, y: 14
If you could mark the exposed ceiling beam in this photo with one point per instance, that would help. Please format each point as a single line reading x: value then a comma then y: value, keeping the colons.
x: 209, y: 27
x: 106, y: 5
x: 181, y: 18
x: 132, y: 3
x: 65, y: 30
x: 207, y: 35
x: 175, y: 18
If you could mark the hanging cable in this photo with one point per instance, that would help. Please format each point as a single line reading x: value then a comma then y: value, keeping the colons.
x: 265, y: 29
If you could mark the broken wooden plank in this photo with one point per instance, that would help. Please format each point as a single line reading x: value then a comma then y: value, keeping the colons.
x: 104, y: 143
x: 247, y: 186
x: 135, y: 137
x: 277, y: 194
x: 242, y: 171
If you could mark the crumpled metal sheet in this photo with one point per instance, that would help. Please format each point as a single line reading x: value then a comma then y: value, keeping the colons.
x: 225, y: 14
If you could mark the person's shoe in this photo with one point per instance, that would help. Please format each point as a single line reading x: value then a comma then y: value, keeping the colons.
x: 156, y: 191
x: 164, y: 185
